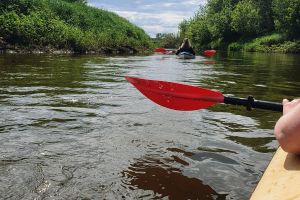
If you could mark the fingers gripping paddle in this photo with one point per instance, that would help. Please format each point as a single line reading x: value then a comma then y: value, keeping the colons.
x: 184, y: 97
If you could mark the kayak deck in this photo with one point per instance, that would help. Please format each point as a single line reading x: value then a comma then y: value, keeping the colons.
x: 186, y: 55
x: 281, y: 180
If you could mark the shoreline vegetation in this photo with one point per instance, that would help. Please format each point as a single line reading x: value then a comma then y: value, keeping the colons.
x: 71, y: 26
x: 246, y: 25
x: 67, y: 26
x: 242, y: 25
x: 273, y: 43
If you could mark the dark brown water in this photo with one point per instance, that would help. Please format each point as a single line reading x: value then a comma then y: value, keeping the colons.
x: 71, y: 127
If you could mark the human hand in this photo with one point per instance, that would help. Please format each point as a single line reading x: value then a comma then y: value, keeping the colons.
x: 289, y: 105
x: 287, y: 128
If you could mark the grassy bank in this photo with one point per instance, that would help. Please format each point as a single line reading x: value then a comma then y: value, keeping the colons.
x: 270, y: 43
x: 59, y: 25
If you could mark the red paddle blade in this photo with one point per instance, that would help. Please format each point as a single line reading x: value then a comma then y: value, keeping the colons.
x: 176, y: 96
x: 160, y: 50
x: 209, y: 52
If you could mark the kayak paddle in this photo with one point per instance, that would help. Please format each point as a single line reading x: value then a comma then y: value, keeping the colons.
x: 160, y: 50
x: 209, y: 52
x: 178, y: 96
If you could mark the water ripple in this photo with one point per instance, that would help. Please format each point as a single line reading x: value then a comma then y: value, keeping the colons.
x: 72, y: 127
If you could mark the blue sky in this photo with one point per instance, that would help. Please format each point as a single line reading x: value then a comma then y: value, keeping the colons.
x: 152, y: 15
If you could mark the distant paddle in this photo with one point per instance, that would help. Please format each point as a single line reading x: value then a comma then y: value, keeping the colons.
x: 209, y: 52
x: 160, y: 50
x: 184, y: 97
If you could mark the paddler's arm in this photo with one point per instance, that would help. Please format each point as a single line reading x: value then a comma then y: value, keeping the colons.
x: 287, y: 128
x: 192, y: 51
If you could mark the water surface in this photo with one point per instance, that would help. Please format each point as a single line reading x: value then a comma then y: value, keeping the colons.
x: 71, y: 127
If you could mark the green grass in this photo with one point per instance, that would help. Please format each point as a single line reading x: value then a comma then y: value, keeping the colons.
x: 270, y: 43
x: 62, y: 25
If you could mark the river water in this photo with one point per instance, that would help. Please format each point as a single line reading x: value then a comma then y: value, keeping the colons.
x: 71, y: 127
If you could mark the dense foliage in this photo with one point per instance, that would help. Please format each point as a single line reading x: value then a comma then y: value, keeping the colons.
x: 287, y: 16
x: 167, y: 40
x: 236, y: 22
x: 66, y: 24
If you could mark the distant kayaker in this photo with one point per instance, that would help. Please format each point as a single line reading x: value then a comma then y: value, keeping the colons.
x: 185, y: 47
x: 287, y: 128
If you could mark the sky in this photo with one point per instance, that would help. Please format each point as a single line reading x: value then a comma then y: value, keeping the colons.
x: 153, y: 16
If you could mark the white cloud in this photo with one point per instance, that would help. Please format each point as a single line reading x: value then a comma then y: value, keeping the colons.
x: 154, y: 29
x: 154, y: 23
x: 153, y: 16
x: 167, y: 5
x: 166, y: 18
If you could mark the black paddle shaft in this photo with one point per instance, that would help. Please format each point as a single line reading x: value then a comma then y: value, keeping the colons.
x: 250, y: 103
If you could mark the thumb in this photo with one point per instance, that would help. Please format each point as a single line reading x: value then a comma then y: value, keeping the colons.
x: 285, y: 101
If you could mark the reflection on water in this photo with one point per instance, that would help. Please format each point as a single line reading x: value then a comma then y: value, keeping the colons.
x: 257, y: 143
x: 157, y: 175
x: 73, y: 128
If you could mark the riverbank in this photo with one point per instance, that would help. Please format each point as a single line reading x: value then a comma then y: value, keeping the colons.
x: 47, y: 26
x: 121, y: 50
x: 276, y: 43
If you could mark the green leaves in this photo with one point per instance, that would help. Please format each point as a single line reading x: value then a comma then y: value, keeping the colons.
x: 222, y: 22
x: 287, y: 17
x: 245, y: 19
x: 167, y: 40
x: 59, y: 24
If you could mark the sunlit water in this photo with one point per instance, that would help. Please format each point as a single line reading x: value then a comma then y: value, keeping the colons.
x: 71, y: 127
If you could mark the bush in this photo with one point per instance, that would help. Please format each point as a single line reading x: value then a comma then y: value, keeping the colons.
x: 224, y: 22
x: 272, y: 43
x: 287, y: 15
x: 235, y: 46
x: 59, y: 24
x: 245, y: 19
x: 198, y: 32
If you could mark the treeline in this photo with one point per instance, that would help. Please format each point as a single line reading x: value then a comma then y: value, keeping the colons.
x: 66, y: 24
x: 167, y: 40
x: 251, y: 25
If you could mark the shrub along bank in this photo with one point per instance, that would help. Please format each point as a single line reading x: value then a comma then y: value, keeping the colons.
x: 250, y: 25
x: 68, y: 26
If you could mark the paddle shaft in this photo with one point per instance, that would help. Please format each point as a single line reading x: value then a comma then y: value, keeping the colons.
x: 250, y: 102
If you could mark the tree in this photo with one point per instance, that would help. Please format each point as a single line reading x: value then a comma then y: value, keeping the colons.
x: 219, y: 24
x: 266, y: 14
x: 198, y: 32
x: 245, y: 19
x: 287, y: 17
x: 183, y: 27
x: 167, y: 40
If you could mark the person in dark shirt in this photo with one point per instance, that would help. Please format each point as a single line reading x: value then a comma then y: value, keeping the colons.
x: 185, y: 47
